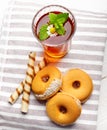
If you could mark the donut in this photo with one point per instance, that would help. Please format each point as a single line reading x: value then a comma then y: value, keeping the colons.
x: 63, y: 109
x: 78, y: 83
x: 47, y: 82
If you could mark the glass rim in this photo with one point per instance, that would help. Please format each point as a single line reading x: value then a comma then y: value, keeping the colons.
x: 47, y: 7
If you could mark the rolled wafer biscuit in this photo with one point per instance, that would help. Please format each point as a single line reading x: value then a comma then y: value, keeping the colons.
x: 40, y: 65
x: 14, y: 96
x: 28, y: 81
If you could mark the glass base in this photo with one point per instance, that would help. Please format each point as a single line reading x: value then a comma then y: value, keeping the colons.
x: 53, y: 58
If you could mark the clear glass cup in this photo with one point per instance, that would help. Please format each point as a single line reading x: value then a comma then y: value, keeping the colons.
x: 57, y: 46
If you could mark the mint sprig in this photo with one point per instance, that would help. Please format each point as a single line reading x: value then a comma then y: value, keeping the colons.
x: 57, y: 20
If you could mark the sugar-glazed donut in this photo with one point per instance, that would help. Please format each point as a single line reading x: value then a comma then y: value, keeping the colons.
x: 47, y: 82
x: 78, y: 83
x: 63, y: 109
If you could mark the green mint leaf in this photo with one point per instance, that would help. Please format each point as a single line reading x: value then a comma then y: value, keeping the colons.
x: 43, y: 32
x: 56, y: 25
x: 61, y: 21
x: 62, y: 17
x: 52, y: 18
x: 61, y: 30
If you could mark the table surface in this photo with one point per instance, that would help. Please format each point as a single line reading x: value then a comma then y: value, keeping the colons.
x: 89, y: 5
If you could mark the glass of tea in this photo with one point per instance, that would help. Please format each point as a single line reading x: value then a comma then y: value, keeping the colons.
x: 54, y: 27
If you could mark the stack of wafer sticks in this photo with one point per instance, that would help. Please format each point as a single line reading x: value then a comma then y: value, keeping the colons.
x: 25, y: 86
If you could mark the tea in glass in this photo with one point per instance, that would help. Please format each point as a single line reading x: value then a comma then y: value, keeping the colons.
x: 54, y: 27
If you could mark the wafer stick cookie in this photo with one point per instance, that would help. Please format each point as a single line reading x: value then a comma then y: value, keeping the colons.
x: 28, y: 81
x: 40, y: 65
x: 14, y: 96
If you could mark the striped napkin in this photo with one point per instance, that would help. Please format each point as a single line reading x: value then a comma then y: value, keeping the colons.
x: 17, y: 41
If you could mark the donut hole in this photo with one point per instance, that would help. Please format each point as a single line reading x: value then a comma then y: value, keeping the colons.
x: 63, y: 109
x: 45, y: 78
x: 76, y: 84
